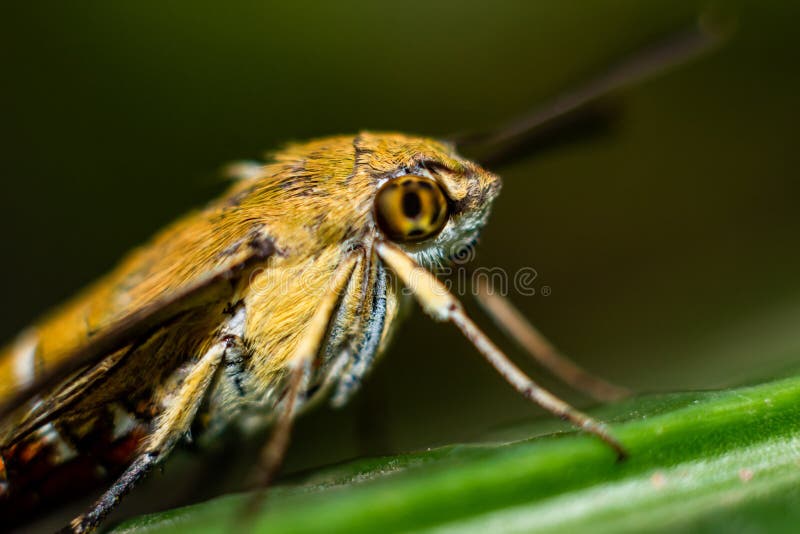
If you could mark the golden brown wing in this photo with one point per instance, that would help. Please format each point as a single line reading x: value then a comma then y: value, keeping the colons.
x: 191, y: 264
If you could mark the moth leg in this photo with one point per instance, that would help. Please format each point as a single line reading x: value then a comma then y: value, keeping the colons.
x: 170, y: 426
x: 298, y: 370
x: 274, y: 450
x: 442, y: 305
x: 109, y: 500
x: 514, y: 324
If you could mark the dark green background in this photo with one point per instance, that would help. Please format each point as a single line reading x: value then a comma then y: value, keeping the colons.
x: 670, y: 246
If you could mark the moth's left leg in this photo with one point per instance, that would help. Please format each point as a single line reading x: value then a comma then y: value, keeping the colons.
x: 169, y: 427
x: 298, y: 369
x: 274, y: 450
x: 440, y: 304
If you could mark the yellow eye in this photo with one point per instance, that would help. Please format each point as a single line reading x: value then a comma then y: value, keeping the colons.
x: 410, y: 208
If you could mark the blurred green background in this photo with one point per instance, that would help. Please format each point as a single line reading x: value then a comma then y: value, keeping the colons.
x: 670, y: 246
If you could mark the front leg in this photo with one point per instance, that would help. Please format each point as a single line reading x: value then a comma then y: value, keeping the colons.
x: 437, y: 301
x: 297, y: 372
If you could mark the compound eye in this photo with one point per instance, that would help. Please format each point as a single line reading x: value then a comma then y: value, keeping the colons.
x: 411, y: 208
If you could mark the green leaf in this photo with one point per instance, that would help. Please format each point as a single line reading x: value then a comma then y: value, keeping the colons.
x: 712, y: 461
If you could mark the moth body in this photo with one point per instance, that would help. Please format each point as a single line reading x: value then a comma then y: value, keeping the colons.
x: 223, y: 355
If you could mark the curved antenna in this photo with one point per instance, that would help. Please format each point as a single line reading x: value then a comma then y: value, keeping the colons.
x: 581, y: 105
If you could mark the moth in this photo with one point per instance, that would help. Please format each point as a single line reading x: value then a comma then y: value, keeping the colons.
x: 281, y: 293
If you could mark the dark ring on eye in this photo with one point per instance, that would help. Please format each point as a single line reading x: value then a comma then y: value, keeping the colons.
x: 415, y: 211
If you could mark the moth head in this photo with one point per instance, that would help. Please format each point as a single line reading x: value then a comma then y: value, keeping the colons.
x: 428, y: 199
